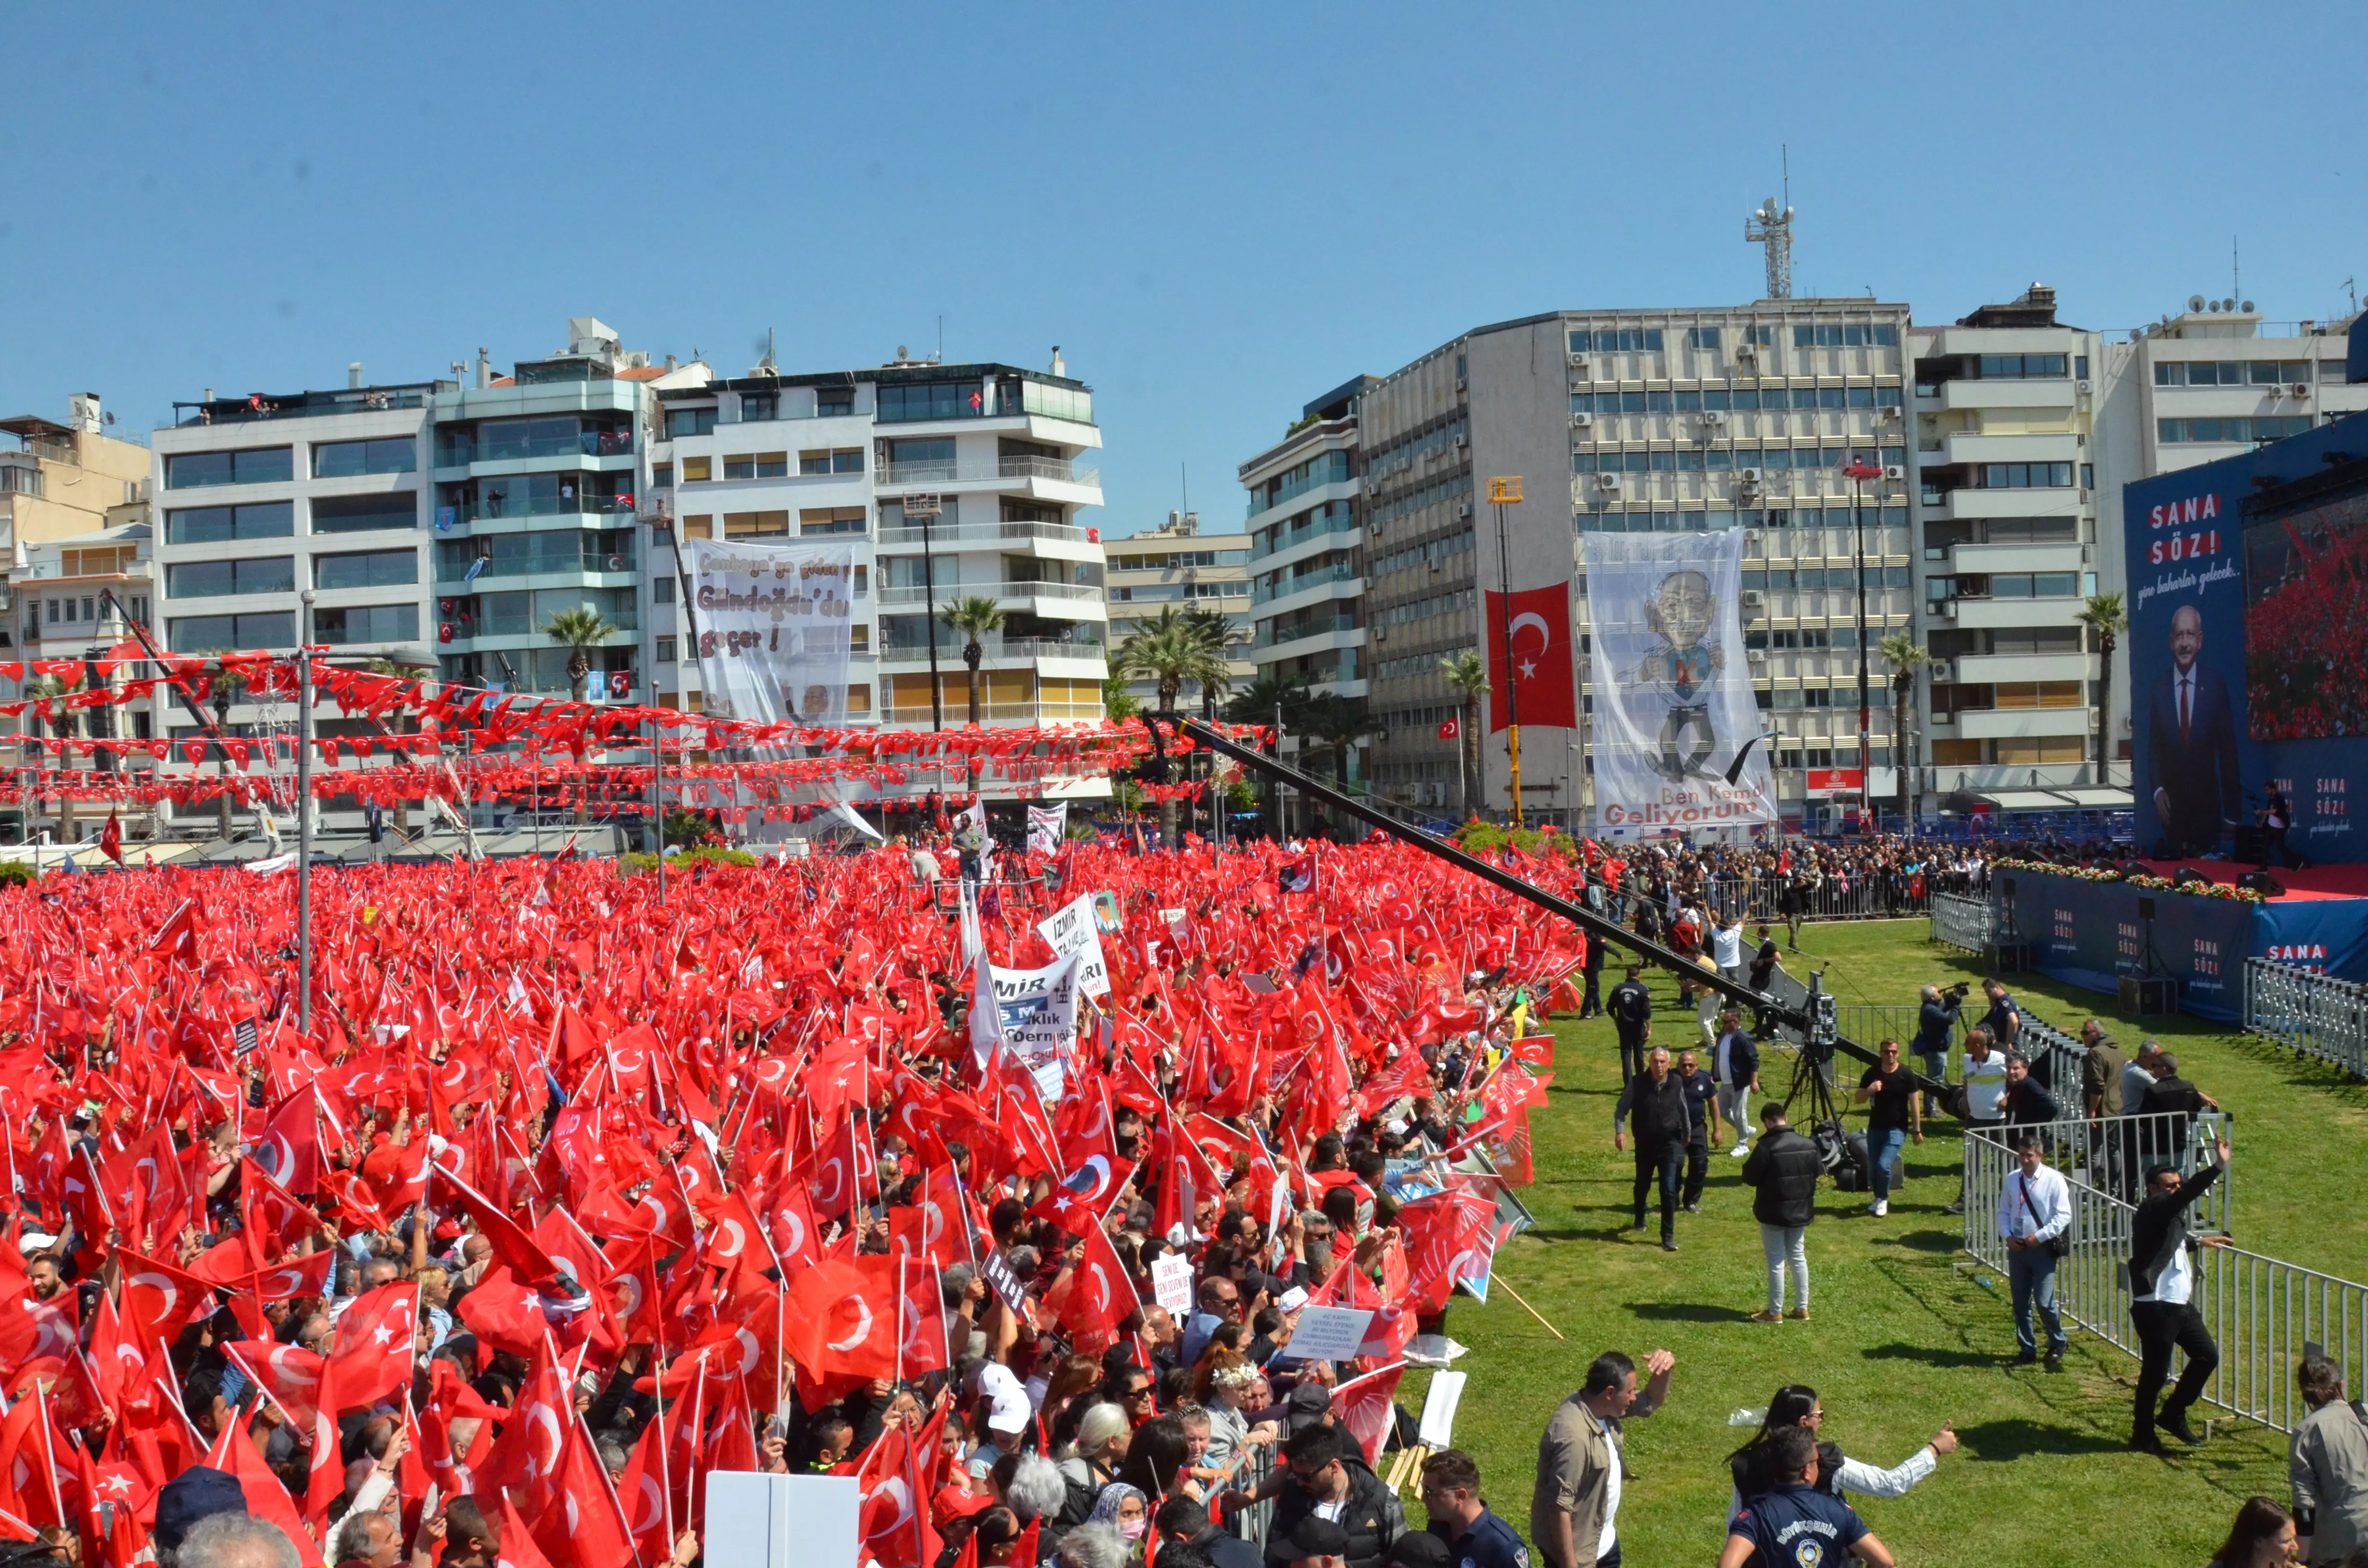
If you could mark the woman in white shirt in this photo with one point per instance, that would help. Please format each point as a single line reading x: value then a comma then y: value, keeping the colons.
x: 1796, y: 1404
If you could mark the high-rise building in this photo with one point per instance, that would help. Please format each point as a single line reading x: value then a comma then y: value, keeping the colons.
x: 953, y: 482
x: 69, y: 485
x: 1638, y: 420
x: 1178, y: 566
x: 1308, y: 501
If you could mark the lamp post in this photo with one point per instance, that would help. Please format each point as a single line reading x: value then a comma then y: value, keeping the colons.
x: 304, y: 818
x: 1858, y: 472
x: 1503, y: 492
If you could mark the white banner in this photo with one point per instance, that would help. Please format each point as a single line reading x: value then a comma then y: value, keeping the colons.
x: 1673, y: 699
x: 1046, y: 828
x: 772, y: 626
x: 1072, y: 929
x: 1035, y: 1017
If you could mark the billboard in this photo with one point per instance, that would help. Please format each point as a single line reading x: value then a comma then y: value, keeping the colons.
x: 2248, y: 644
x: 1673, y: 702
x: 773, y: 628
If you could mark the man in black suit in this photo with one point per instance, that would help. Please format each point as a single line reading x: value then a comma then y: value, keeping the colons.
x: 2192, y: 745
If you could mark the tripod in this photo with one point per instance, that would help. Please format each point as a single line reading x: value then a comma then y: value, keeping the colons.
x: 1812, y: 1082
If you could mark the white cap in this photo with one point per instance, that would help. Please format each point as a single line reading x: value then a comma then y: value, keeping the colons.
x: 1007, y: 1407
x: 1292, y: 1299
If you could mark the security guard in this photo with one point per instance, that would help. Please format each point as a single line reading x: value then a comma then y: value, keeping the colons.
x: 1475, y: 1537
x: 1632, y: 1013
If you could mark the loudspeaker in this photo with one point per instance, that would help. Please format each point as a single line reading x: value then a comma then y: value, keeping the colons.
x: 2149, y: 995
x: 2007, y: 955
x: 2263, y: 883
x: 2252, y: 845
x: 2135, y: 869
x: 2146, y: 908
x: 2189, y: 877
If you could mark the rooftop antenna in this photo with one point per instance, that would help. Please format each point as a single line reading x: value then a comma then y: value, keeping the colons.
x: 942, y: 337
x: 2349, y: 289
x: 1772, y: 226
x: 2235, y: 273
x: 1184, y: 484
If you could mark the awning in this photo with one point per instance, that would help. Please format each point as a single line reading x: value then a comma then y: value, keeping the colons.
x: 2021, y: 800
x: 2099, y: 798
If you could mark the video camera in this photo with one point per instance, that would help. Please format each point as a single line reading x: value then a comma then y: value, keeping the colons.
x: 1956, y: 993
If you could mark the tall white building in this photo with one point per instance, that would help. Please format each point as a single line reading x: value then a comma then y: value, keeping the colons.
x: 1178, y: 567
x: 952, y: 482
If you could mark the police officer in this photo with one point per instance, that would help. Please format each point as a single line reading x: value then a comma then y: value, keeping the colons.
x: 1475, y: 1537
x: 1632, y: 1013
x: 1701, y: 1096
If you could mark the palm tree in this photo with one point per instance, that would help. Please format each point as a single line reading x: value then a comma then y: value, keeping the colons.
x: 62, y: 720
x: 1278, y: 701
x: 1467, y: 676
x: 1906, y: 656
x: 2105, y: 616
x: 1170, y: 649
x: 1339, y: 722
x: 973, y: 618
x: 580, y: 629
x: 1222, y: 635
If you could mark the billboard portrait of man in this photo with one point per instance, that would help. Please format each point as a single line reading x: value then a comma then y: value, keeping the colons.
x: 2192, y: 745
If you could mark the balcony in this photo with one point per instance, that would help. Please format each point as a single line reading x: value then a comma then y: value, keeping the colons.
x: 1965, y: 449
x: 1320, y: 525
x: 989, y: 533
x: 1989, y: 558
x: 992, y: 648
x: 2050, y: 392
x: 467, y: 631
x: 512, y: 510
x: 19, y: 478
x: 1050, y: 471
x: 588, y: 444
x: 948, y: 592
x: 1985, y: 669
x: 1301, y: 582
x: 1298, y: 631
x: 1008, y: 714
x: 2017, y: 724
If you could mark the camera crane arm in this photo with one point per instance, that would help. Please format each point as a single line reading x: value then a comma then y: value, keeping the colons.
x: 1586, y: 920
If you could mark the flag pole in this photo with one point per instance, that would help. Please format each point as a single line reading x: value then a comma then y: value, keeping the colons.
x: 304, y: 818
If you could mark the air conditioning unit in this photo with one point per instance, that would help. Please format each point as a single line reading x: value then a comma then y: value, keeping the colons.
x: 2088, y: 556
x: 1894, y: 472
x: 1608, y: 483
x: 1582, y: 421
x: 1753, y: 598
x: 1716, y: 419
x: 1372, y: 484
x: 1754, y: 541
x: 1749, y: 477
x: 1462, y: 442
x: 1746, y: 349
x: 1381, y: 632
x: 2080, y: 386
x: 1438, y: 567
x: 1464, y: 509
x: 1755, y: 655
x: 1894, y: 414
x: 2299, y: 390
x: 1579, y: 361
x: 1461, y: 385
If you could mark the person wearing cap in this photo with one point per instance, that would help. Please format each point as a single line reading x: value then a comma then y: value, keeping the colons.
x: 1419, y: 1549
x: 1475, y: 1538
x: 1311, y: 1543
x: 1325, y: 1480
x: 1007, y: 1415
x: 196, y: 1494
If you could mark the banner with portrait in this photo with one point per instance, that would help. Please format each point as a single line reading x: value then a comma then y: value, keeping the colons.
x: 1673, y: 701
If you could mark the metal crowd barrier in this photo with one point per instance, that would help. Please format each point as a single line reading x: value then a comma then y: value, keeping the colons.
x: 2315, y: 1014
x: 2112, y: 1153
x: 2263, y: 1312
x: 2056, y: 1058
x: 1760, y: 899
x: 1961, y: 922
x: 1868, y: 1023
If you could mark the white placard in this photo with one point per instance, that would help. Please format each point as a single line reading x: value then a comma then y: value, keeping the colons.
x: 1037, y: 1011
x: 1328, y: 1334
x: 1171, y: 1284
x: 773, y: 1521
x: 1071, y: 929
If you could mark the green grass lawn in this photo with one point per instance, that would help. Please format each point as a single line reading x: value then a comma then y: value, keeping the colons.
x: 1900, y: 1339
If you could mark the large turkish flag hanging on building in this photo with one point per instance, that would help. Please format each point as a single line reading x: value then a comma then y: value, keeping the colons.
x: 1541, y: 650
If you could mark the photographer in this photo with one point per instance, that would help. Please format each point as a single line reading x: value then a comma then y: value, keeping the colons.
x: 1936, y: 1026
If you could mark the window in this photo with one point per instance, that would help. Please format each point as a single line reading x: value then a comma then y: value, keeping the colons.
x: 813, y: 520
x: 773, y: 465
x: 690, y: 421
x: 2080, y: 366
x: 846, y: 460
x: 207, y: 634
x: 214, y: 579
x: 366, y: 569
x: 1621, y: 340
x: 1701, y: 337
x: 743, y: 466
x: 2231, y: 373
x: 931, y: 400
x: 758, y: 408
x: 2020, y: 367
x: 219, y: 524
x: 2028, y: 751
x: 850, y: 460
x: 833, y: 401
x: 252, y: 465
x: 365, y: 513
x: 2026, y: 476
x: 1849, y: 335
x: 666, y: 651
x: 367, y: 623
x: 698, y: 525
x: 2239, y: 429
x: 343, y: 459
x: 662, y: 589
x: 1956, y: 754
x: 756, y: 525
x: 930, y: 458
x: 2034, y: 586
x: 696, y: 470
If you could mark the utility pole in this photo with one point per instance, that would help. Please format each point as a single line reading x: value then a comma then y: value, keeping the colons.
x: 1859, y: 471
x: 1506, y: 490
x: 304, y: 816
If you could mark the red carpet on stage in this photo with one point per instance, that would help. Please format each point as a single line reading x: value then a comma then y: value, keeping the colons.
x: 2320, y: 882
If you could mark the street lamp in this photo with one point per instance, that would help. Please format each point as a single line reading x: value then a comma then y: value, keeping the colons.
x: 1503, y: 492
x: 1858, y: 472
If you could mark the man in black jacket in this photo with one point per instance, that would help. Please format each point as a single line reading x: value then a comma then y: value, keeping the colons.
x: 1631, y: 1014
x: 2162, y: 1287
x: 1328, y: 1472
x: 1785, y: 1169
x: 2026, y: 1103
x: 1659, y: 1102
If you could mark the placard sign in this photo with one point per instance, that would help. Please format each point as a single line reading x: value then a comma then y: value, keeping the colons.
x: 1072, y: 930
x: 1037, y: 1010
x: 1328, y: 1334
x: 1171, y: 1285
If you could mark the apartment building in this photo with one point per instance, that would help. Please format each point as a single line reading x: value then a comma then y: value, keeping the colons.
x: 78, y: 599
x: 1657, y: 420
x: 2027, y: 429
x: 1178, y: 566
x: 1308, y: 501
x: 951, y: 481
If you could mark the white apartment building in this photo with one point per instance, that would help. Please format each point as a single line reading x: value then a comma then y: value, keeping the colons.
x: 2027, y: 430
x: 1674, y: 420
x: 1178, y: 566
x: 1308, y: 501
x: 952, y: 482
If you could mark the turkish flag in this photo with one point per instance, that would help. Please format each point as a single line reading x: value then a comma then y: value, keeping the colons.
x: 1539, y: 646
x: 374, y: 1346
x: 842, y: 1317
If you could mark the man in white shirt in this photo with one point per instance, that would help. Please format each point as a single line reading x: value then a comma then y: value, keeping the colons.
x: 2162, y: 1287
x: 1726, y: 947
x: 1985, y: 1085
x: 2034, y: 1208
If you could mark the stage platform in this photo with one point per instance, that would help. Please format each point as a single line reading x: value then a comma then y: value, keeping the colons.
x: 2320, y: 882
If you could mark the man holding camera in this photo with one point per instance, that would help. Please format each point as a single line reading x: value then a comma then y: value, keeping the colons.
x: 1936, y: 1026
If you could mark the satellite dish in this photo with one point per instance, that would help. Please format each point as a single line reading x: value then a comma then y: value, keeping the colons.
x: 2249, y: 307
x: 2227, y: 304
x: 2214, y: 307
x: 2195, y: 301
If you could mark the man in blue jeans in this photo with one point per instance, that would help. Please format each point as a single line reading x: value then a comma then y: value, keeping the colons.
x: 2034, y: 1208
x: 1895, y: 1114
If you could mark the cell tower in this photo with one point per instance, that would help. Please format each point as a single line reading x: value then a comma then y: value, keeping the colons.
x: 1772, y: 226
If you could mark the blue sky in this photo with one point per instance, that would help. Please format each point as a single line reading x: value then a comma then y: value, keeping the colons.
x: 1217, y: 212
